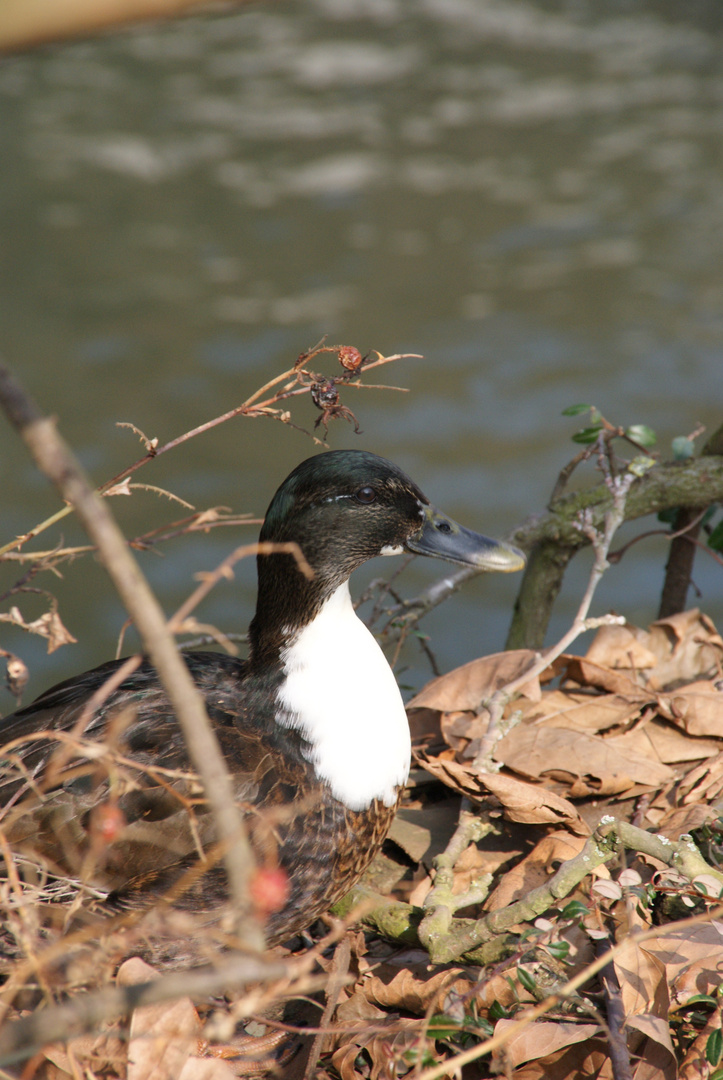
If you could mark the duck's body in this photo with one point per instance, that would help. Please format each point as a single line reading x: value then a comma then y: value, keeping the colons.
x: 312, y: 725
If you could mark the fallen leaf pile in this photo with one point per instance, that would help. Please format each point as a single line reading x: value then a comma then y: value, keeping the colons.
x: 630, y: 733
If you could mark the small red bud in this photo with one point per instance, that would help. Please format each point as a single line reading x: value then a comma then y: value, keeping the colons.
x: 107, y: 822
x: 269, y: 890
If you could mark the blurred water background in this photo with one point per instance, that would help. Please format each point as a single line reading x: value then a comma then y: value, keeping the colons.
x: 527, y: 192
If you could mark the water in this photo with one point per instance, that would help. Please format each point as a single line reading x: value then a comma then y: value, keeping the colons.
x: 528, y: 194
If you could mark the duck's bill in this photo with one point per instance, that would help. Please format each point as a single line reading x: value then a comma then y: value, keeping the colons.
x: 443, y: 538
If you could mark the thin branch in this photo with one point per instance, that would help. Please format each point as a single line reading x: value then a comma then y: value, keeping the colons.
x: 615, y: 1016
x: 20, y: 1039
x: 619, y: 487
x: 55, y: 459
x: 339, y: 971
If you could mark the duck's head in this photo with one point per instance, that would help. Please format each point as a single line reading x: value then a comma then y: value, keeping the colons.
x: 345, y: 507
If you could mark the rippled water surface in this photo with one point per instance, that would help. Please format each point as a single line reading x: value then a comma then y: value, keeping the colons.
x: 528, y: 194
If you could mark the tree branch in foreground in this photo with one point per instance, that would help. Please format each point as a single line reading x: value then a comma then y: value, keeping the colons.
x: 20, y: 1039
x: 27, y: 24
x: 55, y: 459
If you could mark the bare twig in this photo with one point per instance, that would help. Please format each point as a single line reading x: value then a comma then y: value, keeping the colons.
x: 297, y: 381
x: 339, y: 971
x: 601, y: 540
x: 615, y: 1016
x: 55, y: 459
x: 20, y: 1039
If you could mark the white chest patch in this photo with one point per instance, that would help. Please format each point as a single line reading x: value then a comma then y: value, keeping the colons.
x: 340, y: 693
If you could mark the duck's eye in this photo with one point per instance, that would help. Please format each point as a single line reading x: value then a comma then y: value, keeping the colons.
x: 444, y: 527
x: 366, y: 495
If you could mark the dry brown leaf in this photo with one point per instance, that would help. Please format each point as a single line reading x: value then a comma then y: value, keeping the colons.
x: 49, y: 625
x: 687, y: 646
x: 659, y: 741
x: 464, y: 688
x: 397, y: 1037
x: 418, y: 831
x: 642, y: 978
x: 684, y: 819
x: 585, y: 672
x: 542, y: 1039
x: 526, y: 803
x: 620, y: 647
x: 589, y: 764
x: 644, y: 991
x: 104, y: 1053
x: 535, y: 869
x: 358, y: 1009
x: 693, y: 958
x: 704, y: 783
x: 408, y: 992
x: 533, y: 805
x: 697, y: 708
x: 463, y: 731
x: 699, y: 977
x: 655, y: 1054
x: 17, y: 673
x: 695, y: 1064
x: 581, y: 711
x: 587, y: 1059
x: 413, y: 838
x: 165, y: 1038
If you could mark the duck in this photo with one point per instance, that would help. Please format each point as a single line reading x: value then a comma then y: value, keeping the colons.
x: 312, y: 724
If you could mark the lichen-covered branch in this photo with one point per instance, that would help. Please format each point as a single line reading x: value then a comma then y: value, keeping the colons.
x: 441, y: 903
x: 552, y: 539
x: 488, y: 939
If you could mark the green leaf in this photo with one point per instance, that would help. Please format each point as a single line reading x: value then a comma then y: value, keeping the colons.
x: 641, y: 434
x: 527, y: 980
x: 717, y: 1075
x: 700, y: 999
x: 715, y: 540
x: 443, y: 1027
x: 683, y: 448
x: 587, y: 435
x: 575, y: 410
x: 559, y: 949
x: 575, y: 910
x: 498, y: 1011
x: 714, y: 1047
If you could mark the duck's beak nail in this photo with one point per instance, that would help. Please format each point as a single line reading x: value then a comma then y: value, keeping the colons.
x: 443, y: 538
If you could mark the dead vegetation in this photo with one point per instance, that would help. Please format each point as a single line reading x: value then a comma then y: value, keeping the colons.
x: 548, y: 901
